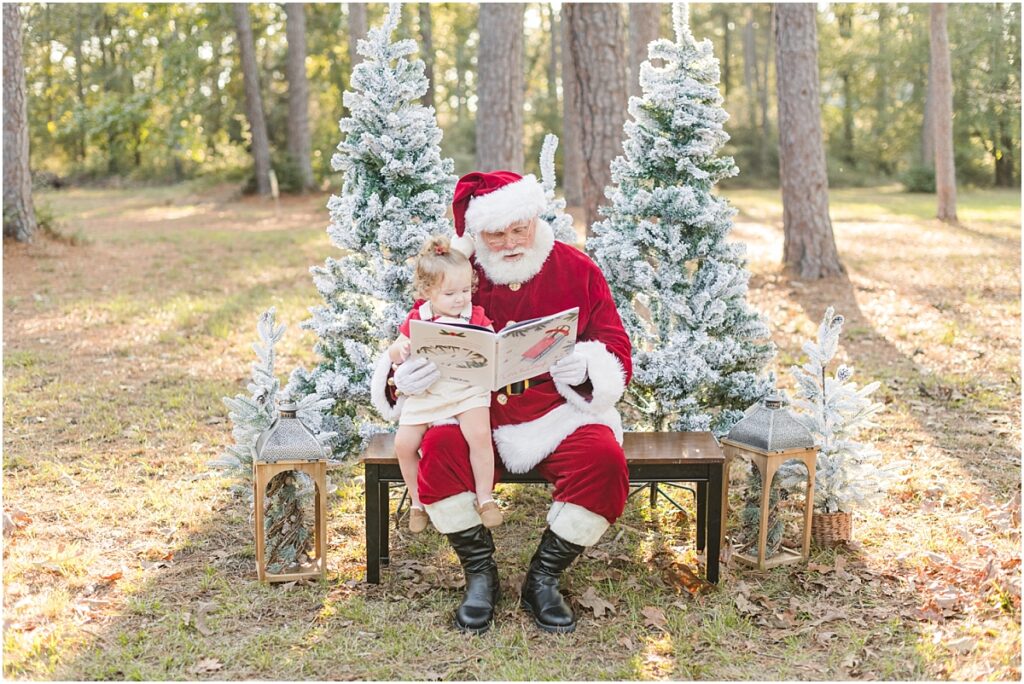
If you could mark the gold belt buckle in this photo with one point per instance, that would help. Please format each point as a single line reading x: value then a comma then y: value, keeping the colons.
x: 512, y: 393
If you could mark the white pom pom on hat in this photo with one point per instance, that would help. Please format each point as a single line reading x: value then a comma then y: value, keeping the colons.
x: 464, y: 244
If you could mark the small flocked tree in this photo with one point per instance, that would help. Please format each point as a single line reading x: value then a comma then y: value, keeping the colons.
x: 848, y: 473
x: 698, y: 347
x: 395, y: 193
x: 252, y: 414
x: 554, y: 212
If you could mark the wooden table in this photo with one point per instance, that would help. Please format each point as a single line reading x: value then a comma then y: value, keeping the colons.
x: 652, y: 457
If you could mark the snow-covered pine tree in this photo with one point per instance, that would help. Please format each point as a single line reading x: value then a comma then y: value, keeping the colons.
x: 395, y: 193
x: 252, y: 414
x: 698, y: 347
x: 848, y: 472
x: 554, y: 212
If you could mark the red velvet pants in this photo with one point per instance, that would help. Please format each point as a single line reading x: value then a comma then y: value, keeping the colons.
x: 587, y: 469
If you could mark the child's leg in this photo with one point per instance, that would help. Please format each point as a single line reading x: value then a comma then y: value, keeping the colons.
x: 476, y: 428
x: 407, y: 446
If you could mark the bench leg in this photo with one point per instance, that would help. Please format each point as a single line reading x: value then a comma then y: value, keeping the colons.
x: 702, y: 513
x: 714, y: 521
x: 385, y: 515
x: 373, y: 536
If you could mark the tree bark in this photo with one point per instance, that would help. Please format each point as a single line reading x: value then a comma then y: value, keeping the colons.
x: 356, y: 29
x: 499, y: 112
x: 726, y: 49
x: 809, y: 246
x: 928, y: 122
x: 19, y: 212
x: 644, y: 20
x: 427, y: 41
x: 942, y: 116
x: 298, y: 93
x: 553, y: 33
x: 572, y: 146
x: 594, y: 38
x: 253, y: 99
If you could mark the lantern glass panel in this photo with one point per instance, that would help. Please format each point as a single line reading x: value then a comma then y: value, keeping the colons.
x: 290, y: 522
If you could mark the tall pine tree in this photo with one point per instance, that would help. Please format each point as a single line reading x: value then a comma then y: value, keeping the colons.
x: 698, y: 347
x: 395, y: 193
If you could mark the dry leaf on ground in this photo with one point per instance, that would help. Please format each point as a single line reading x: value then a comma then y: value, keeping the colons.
x: 591, y: 600
x: 206, y: 665
x: 655, y: 617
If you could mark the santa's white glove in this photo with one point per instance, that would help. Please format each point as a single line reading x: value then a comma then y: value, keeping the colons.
x: 415, y: 376
x: 571, y: 370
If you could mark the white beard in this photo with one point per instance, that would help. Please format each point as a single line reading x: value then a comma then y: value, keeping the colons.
x: 501, y: 272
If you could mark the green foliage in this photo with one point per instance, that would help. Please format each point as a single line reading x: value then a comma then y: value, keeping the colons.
x: 919, y: 179
x: 158, y: 93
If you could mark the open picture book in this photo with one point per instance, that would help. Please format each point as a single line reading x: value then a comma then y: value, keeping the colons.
x: 477, y: 356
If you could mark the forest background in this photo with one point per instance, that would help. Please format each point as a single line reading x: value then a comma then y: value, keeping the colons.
x: 154, y: 93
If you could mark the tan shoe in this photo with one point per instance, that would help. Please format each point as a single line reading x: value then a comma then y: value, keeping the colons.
x: 490, y: 514
x: 418, y: 520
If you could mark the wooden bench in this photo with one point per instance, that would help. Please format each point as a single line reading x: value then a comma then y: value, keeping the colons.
x: 653, y: 457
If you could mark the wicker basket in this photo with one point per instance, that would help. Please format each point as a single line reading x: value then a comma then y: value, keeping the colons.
x: 831, y: 529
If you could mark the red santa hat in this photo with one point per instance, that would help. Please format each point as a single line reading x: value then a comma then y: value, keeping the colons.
x: 491, y: 201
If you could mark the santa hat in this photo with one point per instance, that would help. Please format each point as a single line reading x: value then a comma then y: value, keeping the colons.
x: 491, y: 201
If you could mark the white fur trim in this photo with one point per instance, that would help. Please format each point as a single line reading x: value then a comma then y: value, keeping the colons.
x: 454, y: 514
x: 575, y: 523
x: 516, y: 201
x: 378, y: 390
x: 523, y: 446
x: 607, y: 378
x: 464, y: 244
x: 502, y: 273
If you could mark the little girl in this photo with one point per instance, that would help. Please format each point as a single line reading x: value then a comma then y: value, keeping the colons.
x: 445, y: 278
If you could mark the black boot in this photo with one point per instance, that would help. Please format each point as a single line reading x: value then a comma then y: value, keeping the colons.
x: 475, y: 549
x: 540, y: 595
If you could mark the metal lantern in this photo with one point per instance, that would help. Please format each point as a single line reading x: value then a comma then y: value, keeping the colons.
x: 288, y: 445
x: 770, y: 435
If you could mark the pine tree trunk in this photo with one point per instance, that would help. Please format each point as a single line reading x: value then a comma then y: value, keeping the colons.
x: 19, y: 213
x: 553, y: 33
x: 357, y: 28
x: 594, y: 36
x: 750, y: 83
x: 644, y: 20
x: 427, y: 43
x: 928, y: 123
x: 499, y: 112
x: 253, y: 99
x: 572, y: 146
x: 726, y: 50
x: 76, y: 46
x: 942, y: 116
x: 762, y: 93
x: 298, y: 93
x: 882, y: 82
x: 809, y: 246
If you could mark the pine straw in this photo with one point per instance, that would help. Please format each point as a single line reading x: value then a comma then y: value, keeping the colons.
x: 130, y: 560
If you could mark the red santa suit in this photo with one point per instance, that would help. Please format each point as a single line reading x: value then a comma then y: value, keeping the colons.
x: 571, y: 434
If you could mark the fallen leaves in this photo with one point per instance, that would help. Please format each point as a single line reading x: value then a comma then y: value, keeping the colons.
x: 15, y: 519
x: 654, y: 617
x: 206, y: 666
x: 591, y: 600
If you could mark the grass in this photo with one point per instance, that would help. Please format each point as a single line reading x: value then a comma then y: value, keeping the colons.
x: 118, y: 348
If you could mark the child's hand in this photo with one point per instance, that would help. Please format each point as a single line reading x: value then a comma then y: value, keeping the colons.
x: 404, y: 351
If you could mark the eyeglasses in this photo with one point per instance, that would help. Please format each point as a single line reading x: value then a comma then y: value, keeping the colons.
x: 516, y: 233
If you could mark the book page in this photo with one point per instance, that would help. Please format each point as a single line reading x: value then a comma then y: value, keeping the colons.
x: 530, y: 348
x: 464, y: 353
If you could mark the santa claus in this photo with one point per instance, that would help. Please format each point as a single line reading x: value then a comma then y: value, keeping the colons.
x: 563, y: 423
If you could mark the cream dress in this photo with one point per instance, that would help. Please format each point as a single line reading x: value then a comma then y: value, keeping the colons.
x: 445, y: 398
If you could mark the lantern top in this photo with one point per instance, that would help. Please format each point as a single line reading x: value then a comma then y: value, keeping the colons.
x: 287, y: 439
x: 770, y: 427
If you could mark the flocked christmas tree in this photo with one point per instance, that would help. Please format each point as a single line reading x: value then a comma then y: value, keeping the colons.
x: 252, y: 414
x: 699, y: 348
x: 395, y: 193
x: 554, y: 212
x: 849, y: 473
